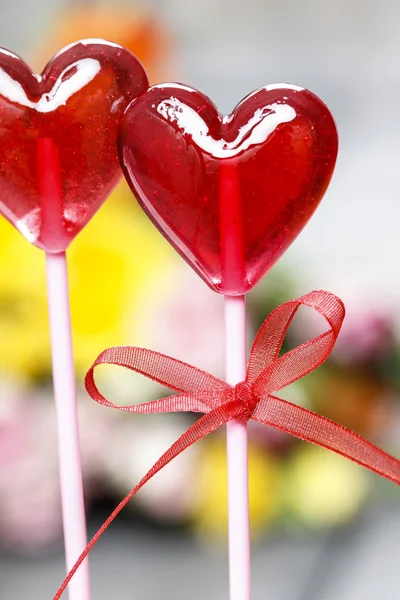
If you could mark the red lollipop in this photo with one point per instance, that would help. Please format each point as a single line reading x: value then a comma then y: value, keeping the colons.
x: 58, y: 137
x: 59, y: 162
x: 230, y: 193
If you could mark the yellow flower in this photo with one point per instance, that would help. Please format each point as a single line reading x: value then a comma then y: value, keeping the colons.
x: 211, y: 512
x: 323, y: 488
x: 24, y: 332
x: 113, y: 262
x: 114, y: 265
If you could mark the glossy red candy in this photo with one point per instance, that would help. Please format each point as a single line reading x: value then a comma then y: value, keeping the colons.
x: 230, y: 193
x: 58, y: 130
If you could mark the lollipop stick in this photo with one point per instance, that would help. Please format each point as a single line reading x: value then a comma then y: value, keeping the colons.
x: 233, y: 272
x: 70, y: 468
x: 238, y: 489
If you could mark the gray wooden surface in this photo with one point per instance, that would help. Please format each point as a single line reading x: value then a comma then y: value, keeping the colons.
x: 360, y: 562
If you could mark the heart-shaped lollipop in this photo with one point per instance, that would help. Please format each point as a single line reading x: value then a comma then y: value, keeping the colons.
x: 58, y: 134
x: 230, y: 193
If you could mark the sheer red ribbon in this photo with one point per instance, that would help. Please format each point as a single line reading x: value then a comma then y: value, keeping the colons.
x: 267, y: 373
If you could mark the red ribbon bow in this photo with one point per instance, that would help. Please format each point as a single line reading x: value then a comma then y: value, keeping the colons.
x: 267, y: 373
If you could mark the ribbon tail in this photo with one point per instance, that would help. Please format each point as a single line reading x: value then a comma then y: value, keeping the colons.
x: 205, y: 425
x: 319, y: 430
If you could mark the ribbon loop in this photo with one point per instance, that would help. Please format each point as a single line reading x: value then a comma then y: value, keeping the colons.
x: 168, y: 371
x: 300, y: 361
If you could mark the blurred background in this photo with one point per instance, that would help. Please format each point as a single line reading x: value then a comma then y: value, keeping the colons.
x: 323, y: 529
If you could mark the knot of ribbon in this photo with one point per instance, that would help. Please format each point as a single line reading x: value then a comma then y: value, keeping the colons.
x: 244, y: 395
x: 267, y: 372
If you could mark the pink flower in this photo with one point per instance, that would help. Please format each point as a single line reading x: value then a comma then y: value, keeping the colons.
x: 30, y: 505
x: 30, y: 511
x: 365, y: 337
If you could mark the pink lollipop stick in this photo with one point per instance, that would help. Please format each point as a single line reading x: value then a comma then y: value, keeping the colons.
x: 70, y: 467
x: 69, y: 456
x: 237, y: 455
